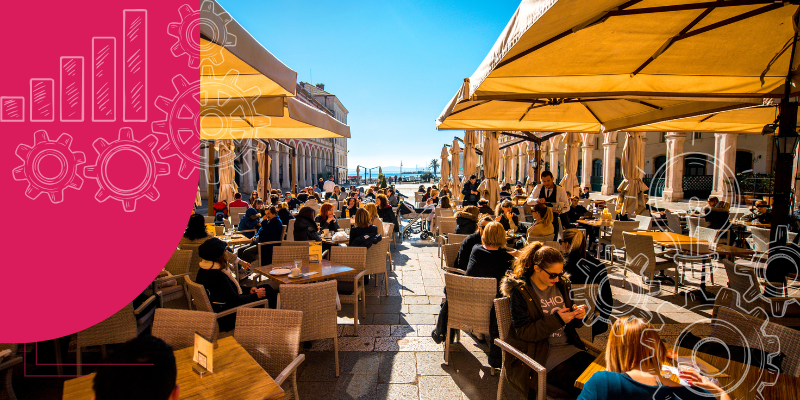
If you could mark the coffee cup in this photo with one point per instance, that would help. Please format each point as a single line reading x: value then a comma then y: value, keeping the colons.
x: 295, y: 271
x: 326, y: 232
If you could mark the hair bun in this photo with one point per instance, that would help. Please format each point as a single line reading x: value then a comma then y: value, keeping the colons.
x: 535, y: 246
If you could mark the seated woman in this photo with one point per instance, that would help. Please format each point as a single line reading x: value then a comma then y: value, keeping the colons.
x: 372, y: 211
x: 544, y: 320
x: 259, y: 206
x: 583, y: 268
x: 305, y: 229
x: 434, y: 196
x: 364, y: 230
x: 467, y: 220
x: 386, y: 213
x: 474, y: 239
x: 444, y: 202
x: 445, y: 192
x: 196, y: 233
x: 507, y: 217
x: 224, y: 292
x: 250, y: 222
x: 542, y: 221
x: 421, y: 189
x: 490, y: 259
x: 350, y: 208
x: 634, y: 355
x: 483, y: 207
x: 283, y: 213
x: 505, y: 191
x: 326, y: 219
x: 370, y: 193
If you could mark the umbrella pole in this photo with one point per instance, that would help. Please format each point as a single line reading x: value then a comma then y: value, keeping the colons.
x: 294, y: 171
x: 265, y: 170
x: 210, y: 174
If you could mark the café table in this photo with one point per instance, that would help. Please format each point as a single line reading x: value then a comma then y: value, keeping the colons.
x: 596, y: 223
x: 743, y: 381
x: 322, y: 270
x: 235, y: 240
x: 236, y: 376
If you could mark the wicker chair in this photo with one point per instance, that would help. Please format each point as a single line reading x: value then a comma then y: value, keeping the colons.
x: 234, y: 213
x: 209, y: 219
x: 177, y: 327
x: 8, y: 359
x: 178, y: 266
x: 377, y: 255
x: 351, y: 287
x: 693, y: 223
x: 319, y: 303
x: 194, y: 265
x: 469, y: 301
x: 641, y: 258
x: 455, y: 238
x: 674, y: 222
x: 344, y: 223
x: 290, y: 231
x: 445, y: 212
x: 337, y: 214
x: 272, y: 338
x: 289, y: 253
x: 201, y: 303
x: 742, y: 278
x: 747, y: 331
x: 449, y: 253
x: 615, y: 240
x: 388, y: 232
x: 645, y: 223
x: 760, y: 240
x: 124, y: 325
x: 446, y: 227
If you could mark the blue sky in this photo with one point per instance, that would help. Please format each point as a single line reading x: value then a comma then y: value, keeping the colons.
x: 394, y: 65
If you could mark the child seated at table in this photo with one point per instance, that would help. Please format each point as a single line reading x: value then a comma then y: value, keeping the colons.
x: 634, y: 355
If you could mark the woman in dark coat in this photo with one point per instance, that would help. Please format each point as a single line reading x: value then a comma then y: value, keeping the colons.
x: 386, y: 213
x: 305, y: 229
x: 326, y: 219
x: 284, y: 214
x: 508, y: 218
x: 361, y: 229
x: 223, y: 291
x: 351, y: 207
x: 584, y: 269
x: 467, y: 220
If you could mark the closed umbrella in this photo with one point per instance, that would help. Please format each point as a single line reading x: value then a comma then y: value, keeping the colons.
x: 632, y: 189
x: 470, y: 158
x: 530, y: 183
x: 263, y: 159
x: 508, y: 166
x: 227, y: 183
x: 455, y: 149
x: 570, y: 181
x: 198, y: 201
x: 445, y: 169
x: 489, y: 188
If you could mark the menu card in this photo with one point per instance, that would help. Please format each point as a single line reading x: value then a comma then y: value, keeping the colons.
x: 203, y: 352
x: 211, y: 229
x: 314, y: 251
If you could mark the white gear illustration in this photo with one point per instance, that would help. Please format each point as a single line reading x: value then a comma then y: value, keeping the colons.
x: 126, y: 143
x: 184, y: 114
x: 762, y: 340
x: 43, y: 148
x: 776, y: 253
x: 185, y: 32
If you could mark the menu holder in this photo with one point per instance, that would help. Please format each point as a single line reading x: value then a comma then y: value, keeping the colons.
x: 211, y: 229
x: 314, y: 252
x: 203, y: 356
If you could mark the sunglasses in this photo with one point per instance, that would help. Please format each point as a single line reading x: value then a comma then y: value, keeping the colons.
x: 554, y: 275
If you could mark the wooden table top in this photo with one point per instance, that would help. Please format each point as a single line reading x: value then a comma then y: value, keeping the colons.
x: 596, y: 223
x: 236, y: 376
x: 703, y: 248
x: 756, y: 224
x: 751, y: 378
x: 670, y: 239
x: 324, y: 270
x: 236, y: 240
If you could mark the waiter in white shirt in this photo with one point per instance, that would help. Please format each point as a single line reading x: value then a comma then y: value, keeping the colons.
x: 328, y: 186
x: 549, y: 193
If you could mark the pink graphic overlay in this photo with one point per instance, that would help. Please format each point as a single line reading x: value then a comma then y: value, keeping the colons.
x: 134, y: 62
x: 72, y: 96
x: 42, y: 97
x: 12, y: 109
x: 104, y: 79
x: 59, y: 160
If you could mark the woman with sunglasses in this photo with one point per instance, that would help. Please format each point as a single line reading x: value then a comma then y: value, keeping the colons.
x: 544, y: 319
x: 583, y: 268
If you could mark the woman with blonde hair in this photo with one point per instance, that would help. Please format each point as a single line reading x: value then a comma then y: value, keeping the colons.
x: 544, y: 320
x: 365, y: 232
x: 634, y: 355
x: 542, y: 221
x: 372, y: 211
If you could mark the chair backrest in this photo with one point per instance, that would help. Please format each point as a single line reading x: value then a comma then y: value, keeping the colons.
x: 353, y: 257
x: 194, y: 264
x: 585, y: 202
x: 693, y: 223
x: 640, y: 257
x: 455, y: 238
x: 317, y: 301
x: 619, y: 228
x: 645, y: 213
x: 179, y: 262
x: 219, y: 230
x: 611, y: 205
x: 740, y: 329
x: 376, y: 257
x: 560, y: 227
x: 344, y: 223
x: 118, y: 328
x: 234, y: 213
x: 674, y: 222
x: 707, y: 234
x: 743, y: 280
x: 290, y: 231
x: 543, y: 239
x: 760, y: 238
x: 644, y: 222
x: 209, y: 219
x: 418, y: 197
x: 445, y: 212
x: 228, y: 225
x: 289, y: 253
x: 469, y: 302
x: 586, y: 294
x: 446, y: 225
x: 337, y: 214
x: 388, y: 229
x: 502, y: 308
x: 272, y: 337
x: 177, y: 327
x: 553, y: 244
x: 199, y: 296
x: 450, y: 252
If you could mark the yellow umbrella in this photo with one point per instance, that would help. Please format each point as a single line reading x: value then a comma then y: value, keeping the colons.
x: 571, y: 155
x: 470, y: 158
x: 508, y: 157
x: 744, y: 120
x: 455, y: 149
x: 632, y: 188
x: 444, y: 181
x: 489, y: 187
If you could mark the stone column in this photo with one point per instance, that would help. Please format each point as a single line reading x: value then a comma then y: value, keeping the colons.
x: 673, y: 176
x: 203, y: 175
x: 586, y: 158
x: 523, y: 164
x: 274, y: 182
x: 555, y: 143
x: 724, y: 165
x: 248, y: 173
x: 609, y: 156
x: 301, y: 170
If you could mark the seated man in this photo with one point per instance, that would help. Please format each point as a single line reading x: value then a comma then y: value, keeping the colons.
x: 585, y: 194
x: 293, y: 202
x: 715, y: 216
x: 238, y: 202
x: 270, y: 231
x: 302, y: 196
x: 576, y: 211
x: 317, y: 189
x: 761, y: 214
x: 143, y: 368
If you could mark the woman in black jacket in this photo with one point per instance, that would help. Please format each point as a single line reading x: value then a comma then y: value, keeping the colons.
x: 284, y: 214
x: 462, y: 258
x: 507, y: 217
x: 385, y: 212
x: 483, y: 207
x: 351, y: 207
x: 583, y: 268
x: 467, y: 220
x: 362, y: 229
x: 223, y: 291
x: 326, y: 219
x: 305, y: 229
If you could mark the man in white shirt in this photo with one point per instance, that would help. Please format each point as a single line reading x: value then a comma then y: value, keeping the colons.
x: 550, y: 194
x: 328, y: 186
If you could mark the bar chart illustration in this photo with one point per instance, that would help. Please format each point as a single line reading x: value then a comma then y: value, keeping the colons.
x: 104, y: 79
x: 42, y: 95
x: 12, y: 109
x: 134, y: 58
x: 71, y: 89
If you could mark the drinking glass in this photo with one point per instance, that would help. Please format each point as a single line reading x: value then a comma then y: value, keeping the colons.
x: 298, y: 262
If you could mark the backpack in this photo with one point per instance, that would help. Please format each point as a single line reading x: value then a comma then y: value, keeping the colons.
x: 366, y: 240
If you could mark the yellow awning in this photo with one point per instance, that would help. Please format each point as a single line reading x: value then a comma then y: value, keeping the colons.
x: 745, y: 120
x: 657, y: 48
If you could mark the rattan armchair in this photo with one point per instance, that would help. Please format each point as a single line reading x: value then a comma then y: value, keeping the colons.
x: 377, y: 255
x: 742, y: 278
x: 351, y: 287
x: 388, y: 232
x: 290, y: 231
x: 449, y: 253
x: 614, y: 242
x: 344, y: 223
x: 177, y: 327
x: 289, y: 253
x: 455, y: 238
x: 444, y: 226
x: 641, y: 259
x: 8, y: 359
x: 674, y: 222
x: 272, y: 338
x: 178, y: 266
x: 194, y: 264
x: 586, y: 294
x: 469, y: 302
x: 319, y: 303
x: 234, y: 213
x: 201, y: 303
